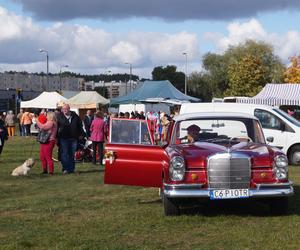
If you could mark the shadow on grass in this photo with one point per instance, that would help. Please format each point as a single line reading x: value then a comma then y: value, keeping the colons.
x: 89, y: 171
x: 242, y: 207
x: 150, y: 201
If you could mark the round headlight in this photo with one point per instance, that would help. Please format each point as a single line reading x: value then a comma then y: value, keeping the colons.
x: 281, y: 161
x: 281, y: 173
x: 177, y: 168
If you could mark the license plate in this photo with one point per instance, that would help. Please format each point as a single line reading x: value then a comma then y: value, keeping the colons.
x: 229, y: 194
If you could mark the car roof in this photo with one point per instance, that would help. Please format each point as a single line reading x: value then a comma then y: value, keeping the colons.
x: 197, y: 115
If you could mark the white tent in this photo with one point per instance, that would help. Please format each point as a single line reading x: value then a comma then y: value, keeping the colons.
x: 87, y: 100
x: 276, y: 95
x: 46, y: 100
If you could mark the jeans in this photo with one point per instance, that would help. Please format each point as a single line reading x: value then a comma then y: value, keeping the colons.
x: 67, y: 152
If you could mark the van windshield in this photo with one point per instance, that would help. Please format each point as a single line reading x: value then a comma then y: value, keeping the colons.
x: 288, y: 117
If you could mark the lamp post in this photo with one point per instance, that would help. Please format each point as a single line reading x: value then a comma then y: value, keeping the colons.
x: 62, y: 66
x: 103, y: 87
x: 185, y: 78
x: 47, y: 60
x: 130, y: 76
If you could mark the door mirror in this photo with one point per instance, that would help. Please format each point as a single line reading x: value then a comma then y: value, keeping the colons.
x: 270, y: 139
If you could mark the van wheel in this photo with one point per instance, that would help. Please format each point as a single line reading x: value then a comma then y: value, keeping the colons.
x: 170, y: 208
x: 294, y: 155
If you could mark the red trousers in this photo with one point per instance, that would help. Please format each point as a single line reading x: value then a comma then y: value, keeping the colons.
x: 46, y: 156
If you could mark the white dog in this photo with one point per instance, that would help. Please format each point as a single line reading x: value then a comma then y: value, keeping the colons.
x: 24, y: 168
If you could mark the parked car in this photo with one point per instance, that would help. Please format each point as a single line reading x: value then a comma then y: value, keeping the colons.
x: 276, y: 123
x: 227, y: 158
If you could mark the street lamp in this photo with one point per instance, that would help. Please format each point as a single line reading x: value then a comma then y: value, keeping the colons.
x: 130, y: 75
x: 185, y: 78
x: 47, y: 59
x: 103, y: 87
x: 62, y: 66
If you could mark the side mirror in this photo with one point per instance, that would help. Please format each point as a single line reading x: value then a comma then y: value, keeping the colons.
x: 270, y: 139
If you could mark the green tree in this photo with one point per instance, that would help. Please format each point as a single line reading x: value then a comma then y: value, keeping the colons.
x: 197, y: 86
x: 243, y: 69
x: 215, y: 75
x: 170, y: 73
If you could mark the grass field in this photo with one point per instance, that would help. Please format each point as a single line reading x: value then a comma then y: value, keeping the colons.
x: 79, y: 212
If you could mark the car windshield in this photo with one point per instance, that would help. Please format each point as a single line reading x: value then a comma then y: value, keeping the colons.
x: 218, y: 130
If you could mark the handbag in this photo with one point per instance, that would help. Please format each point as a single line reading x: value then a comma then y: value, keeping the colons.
x: 43, y: 136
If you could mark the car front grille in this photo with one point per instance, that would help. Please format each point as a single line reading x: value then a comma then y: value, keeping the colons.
x: 229, y: 170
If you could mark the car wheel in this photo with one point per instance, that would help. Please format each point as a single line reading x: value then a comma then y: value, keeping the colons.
x: 294, y: 155
x: 170, y: 208
x: 279, y: 206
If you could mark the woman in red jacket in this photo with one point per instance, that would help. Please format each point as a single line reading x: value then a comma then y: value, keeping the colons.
x: 98, y: 129
x: 46, y: 149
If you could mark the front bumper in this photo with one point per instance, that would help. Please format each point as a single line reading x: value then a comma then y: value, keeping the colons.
x: 197, y: 190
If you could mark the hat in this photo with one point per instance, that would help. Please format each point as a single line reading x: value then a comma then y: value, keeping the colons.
x: 193, y: 129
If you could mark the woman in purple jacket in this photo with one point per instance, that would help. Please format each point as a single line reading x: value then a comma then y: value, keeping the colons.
x: 98, y: 129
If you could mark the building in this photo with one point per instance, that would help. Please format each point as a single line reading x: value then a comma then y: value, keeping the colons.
x: 38, y: 83
x: 114, y: 89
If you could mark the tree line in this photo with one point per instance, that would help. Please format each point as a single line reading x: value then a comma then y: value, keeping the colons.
x: 242, y: 70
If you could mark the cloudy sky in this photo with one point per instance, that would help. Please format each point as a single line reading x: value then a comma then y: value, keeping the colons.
x: 97, y: 36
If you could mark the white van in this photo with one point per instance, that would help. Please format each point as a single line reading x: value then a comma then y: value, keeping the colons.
x: 275, y: 123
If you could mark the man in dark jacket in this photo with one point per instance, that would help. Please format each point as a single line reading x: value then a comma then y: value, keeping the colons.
x: 87, y: 121
x: 69, y: 131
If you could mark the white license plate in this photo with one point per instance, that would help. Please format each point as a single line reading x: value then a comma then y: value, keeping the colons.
x: 229, y: 194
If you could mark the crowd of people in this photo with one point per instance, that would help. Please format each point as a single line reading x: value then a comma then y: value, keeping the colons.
x: 66, y: 129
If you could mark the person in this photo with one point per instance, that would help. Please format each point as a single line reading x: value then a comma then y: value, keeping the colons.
x: 87, y: 121
x: 26, y: 122
x: 193, y: 133
x: 46, y: 149
x: 69, y: 131
x: 19, y: 117
x: 3, y: 133
x: 98, y: 130
x: 10, y: 123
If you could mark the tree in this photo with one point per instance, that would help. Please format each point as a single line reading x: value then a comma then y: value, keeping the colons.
x: 169, y: 73
x: 197, y: 86
x: 245, y: 76
x: 292, y: 73
x: 215, y: 75
x: 243, y: 69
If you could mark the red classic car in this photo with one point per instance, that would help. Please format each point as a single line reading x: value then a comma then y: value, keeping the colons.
x: 210, y: 156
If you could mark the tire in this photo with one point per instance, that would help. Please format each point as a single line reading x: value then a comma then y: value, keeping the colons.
x: 279, y: 206
x: 294, y: 155
x: 170, y: 208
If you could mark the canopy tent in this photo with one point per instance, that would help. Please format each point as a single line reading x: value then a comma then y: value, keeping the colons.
x: 161, y: 91
x: 46, y: 100
x: 276, y: 95
x: 87, y: 100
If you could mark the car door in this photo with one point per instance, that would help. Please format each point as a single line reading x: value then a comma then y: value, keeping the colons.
x: 272, y: 126
x: 132, y: 158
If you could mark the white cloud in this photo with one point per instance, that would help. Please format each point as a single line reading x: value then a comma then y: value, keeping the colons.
x: 86, y: 49
x: 285, y: 45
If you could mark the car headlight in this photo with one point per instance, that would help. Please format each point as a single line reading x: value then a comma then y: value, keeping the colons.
x: 281, y: 167
x: 177, y: 168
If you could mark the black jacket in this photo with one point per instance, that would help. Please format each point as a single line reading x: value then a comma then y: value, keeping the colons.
x: 69, y: 128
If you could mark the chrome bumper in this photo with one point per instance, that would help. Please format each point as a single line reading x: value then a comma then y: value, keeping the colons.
x: 196, y: 190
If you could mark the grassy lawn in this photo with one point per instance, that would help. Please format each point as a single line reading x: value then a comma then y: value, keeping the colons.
x: 79, y: 212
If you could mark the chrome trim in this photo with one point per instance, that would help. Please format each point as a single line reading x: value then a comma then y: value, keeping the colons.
x: 194, y: 191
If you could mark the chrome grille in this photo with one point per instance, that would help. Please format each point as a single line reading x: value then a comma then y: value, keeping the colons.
x: 229, y: 171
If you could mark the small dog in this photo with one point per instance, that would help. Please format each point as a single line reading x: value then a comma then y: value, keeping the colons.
x: 24, y: 168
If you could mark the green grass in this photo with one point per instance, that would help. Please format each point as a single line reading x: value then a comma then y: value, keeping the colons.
x: 79, y: 212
